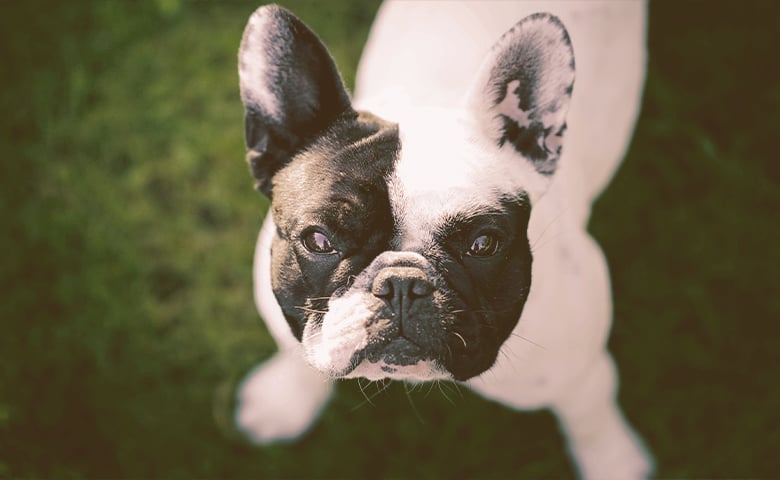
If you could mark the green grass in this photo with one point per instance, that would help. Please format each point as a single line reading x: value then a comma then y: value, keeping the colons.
x: 129, y: 222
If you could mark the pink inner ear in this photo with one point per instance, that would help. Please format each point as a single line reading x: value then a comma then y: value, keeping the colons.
x: 553, y: 143
x: 510, y: 105
x: 523, y: 90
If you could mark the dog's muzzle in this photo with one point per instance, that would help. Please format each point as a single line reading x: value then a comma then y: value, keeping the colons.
x: 407, y: 328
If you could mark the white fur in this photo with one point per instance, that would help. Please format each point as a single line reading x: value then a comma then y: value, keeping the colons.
x: 419, y: 69
x: 271, y: 392
x: 450, y: 169
x: 447, y: 42
x: 254, y: 68
x: 265, y: 300
x: 422, y: 371
x: 329, y: 347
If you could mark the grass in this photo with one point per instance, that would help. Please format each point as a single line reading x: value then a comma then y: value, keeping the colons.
x: 129, y: 223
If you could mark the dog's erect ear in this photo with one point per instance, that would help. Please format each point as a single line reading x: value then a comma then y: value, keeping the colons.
x: 290, y: 87
x: 523, y: 90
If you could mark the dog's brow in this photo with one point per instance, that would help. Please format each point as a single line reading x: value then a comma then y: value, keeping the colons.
x: 454, y: 221
x: 504, y: 206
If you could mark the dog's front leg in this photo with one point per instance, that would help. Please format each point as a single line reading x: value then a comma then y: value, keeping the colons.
x: 601, y: 442
x: 281, y: 398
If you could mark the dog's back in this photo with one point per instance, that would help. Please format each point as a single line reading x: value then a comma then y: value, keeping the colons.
x: 426, y: 53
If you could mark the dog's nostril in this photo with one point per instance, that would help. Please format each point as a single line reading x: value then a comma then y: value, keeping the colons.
x: 382, y: 288
x: 399, y: 282
x: 421, y: 288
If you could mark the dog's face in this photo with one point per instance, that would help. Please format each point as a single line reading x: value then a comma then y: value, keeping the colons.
x: 380, y: 274
x: 401, y: 250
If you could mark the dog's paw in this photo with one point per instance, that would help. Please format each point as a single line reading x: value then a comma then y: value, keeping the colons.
x: 619, y: 455
x: 280, y: 399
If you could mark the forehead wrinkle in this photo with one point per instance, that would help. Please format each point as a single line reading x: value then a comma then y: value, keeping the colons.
x: 464, y: 216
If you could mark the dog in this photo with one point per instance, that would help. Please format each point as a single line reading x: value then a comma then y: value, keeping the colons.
x: 440, y: 216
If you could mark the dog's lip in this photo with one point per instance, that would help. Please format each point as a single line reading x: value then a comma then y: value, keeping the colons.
x: 399, y: 351
x: 354, y: 362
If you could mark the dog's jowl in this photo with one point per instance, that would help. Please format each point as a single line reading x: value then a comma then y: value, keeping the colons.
x: 440, y: 217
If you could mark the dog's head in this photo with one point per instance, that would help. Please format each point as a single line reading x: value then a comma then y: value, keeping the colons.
x: 401, y: 250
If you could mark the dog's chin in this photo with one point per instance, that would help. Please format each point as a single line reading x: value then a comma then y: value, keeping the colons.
x: 357, y: 334
x: 399, y: 359
x: 352, y: 340
x: 421, y: 371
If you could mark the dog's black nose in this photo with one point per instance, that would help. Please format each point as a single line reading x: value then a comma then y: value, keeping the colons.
x: 401, y: 286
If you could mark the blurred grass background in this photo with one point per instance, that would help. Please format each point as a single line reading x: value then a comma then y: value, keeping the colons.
x: 128, y: 224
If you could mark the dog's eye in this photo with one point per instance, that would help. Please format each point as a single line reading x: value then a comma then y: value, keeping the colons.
x: 317, y: 242
x: 485, y: 245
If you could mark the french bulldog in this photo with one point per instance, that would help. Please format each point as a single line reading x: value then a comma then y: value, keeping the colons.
x: 439, y: 217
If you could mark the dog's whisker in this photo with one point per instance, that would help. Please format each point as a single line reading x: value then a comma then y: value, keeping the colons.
x: 549, y: 224
x: 528, y: 340
x: 312, y: 310
x: 454, y: 386
x: 414, y: 407
x: 548, y: 241
x: 381, y: 388
x: 432, y: 385
x: 461, y: 339
x: 441, y: 389
x: 510, y: 356
x: 363, y: 391
x: 382, y: 385
x: 312, y: 336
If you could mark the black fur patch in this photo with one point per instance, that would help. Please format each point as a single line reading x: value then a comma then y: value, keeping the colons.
x: 488, y: 293
x: 302, y: 92
x: 338, y: 186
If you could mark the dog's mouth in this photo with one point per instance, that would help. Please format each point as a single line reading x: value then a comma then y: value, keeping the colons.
x: 394, y: 354
x: 400, y: 351
x: 399, y: 358
x: 375, y: 350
